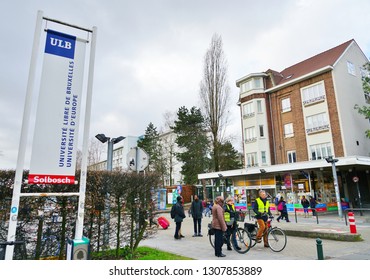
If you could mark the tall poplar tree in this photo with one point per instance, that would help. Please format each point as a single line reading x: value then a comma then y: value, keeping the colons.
x: 214, y: 95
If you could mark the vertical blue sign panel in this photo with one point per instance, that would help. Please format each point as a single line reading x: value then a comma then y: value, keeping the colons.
x: 60, y: 44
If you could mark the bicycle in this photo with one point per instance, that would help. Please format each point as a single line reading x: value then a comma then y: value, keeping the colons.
x: 243, y: 239
x: 276, y: 237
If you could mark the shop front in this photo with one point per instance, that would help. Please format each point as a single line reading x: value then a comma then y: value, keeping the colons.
x: 293, y: 181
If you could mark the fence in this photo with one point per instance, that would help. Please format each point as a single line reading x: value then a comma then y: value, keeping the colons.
x: 345, y: 212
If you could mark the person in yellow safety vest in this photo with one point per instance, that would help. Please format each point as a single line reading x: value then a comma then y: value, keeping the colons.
x: 231, y: 222
x: 262, y: 209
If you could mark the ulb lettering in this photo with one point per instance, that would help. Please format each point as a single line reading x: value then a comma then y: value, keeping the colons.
x: 60, y: 43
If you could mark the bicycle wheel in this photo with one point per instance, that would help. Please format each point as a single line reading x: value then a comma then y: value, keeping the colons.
x: 212, y: 239
x: 276, y: 239
x: 252, y: 230
x: 243, y: 241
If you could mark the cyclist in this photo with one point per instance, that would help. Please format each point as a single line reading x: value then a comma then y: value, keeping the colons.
x: 262, y: 209
x: 231, y: 222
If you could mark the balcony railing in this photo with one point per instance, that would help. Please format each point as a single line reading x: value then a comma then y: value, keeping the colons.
x: 313, y: 100
x: 250, y: 140
x: 249, y: 115
x: 317, y: 129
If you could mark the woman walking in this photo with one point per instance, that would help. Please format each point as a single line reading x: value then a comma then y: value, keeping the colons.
x: 219, y: 225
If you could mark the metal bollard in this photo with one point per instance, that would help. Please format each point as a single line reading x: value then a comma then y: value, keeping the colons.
x: 295, y: 214
x: 320, y: 253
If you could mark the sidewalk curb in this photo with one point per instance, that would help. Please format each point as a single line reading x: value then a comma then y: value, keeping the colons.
x: 325, y: 235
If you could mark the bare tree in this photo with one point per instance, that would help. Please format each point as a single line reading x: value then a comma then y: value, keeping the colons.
x: 94, y: 154
x: 214, y: 94
x: 169, y: 149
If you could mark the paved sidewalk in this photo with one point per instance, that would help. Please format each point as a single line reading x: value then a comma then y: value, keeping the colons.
x: 299, y: 246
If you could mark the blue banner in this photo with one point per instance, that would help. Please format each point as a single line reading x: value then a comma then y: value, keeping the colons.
x: 60, y: 44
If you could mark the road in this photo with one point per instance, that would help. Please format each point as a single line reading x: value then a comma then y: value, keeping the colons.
x: 298, y: 248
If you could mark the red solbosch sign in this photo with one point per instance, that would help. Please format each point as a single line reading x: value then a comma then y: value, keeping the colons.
x: 51, y: 179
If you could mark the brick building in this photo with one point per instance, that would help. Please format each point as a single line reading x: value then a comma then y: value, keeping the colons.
x: 294, y: 119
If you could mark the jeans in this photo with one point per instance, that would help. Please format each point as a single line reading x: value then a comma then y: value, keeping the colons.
x: 197, y: 225
x: 231, y: 232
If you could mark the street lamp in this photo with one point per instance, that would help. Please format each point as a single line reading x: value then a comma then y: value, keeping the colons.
x: 102, y: 138
x: 332, y: 160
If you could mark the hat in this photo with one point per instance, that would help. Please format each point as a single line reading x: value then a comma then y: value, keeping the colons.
x: 229, y: 199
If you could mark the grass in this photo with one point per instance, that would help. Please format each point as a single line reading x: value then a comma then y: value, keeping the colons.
x: 147, y: 253
x: 142, y: 253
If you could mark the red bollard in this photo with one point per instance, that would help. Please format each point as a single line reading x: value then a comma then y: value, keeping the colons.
x: 352, y: 224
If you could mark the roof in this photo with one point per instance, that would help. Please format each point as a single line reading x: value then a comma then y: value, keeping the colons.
x: 319, y: 61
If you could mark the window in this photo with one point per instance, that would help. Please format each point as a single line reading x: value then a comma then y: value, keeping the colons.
x: 248, y: 110
x: 288, y: 130
x: 251, y: 159
x: 291, y: 157
x: 263, y: 157
x: 285, y: 104
x: 250, y: 134
x: 317, y: 123
x: 259, y: 106
x: 246, y: 86
x: 313, y: 94
x: 351, y: 68
x: 255, y: 83
x: 320, y: 151
x: 262, y: 134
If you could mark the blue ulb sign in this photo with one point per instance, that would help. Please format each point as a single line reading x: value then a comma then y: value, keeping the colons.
x: 60, y: 44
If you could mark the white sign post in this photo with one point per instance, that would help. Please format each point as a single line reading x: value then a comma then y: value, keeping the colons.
x: 57, y: 118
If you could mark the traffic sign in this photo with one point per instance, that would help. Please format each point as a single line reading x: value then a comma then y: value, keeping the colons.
x: 137, y: 159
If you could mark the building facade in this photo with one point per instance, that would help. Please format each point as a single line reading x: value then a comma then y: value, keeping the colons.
x: 294, y: 119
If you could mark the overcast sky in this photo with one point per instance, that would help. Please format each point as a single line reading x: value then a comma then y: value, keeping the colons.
x: 149, y: 55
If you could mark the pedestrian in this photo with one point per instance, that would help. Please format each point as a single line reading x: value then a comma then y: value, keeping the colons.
x: 230, y: 215
x: 179, y: 217
x: 262, y: 209
x: 313, y: 205
x: 152, y: 214
x: 305, y: 203
x: 283, y: 210
x: 219, y: 225
x: 197, y: 212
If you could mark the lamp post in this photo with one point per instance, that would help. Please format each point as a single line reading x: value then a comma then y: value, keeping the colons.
x: 111, y: 141
x: 332, y: 160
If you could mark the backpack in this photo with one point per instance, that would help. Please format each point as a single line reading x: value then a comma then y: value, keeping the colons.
x: 280, y: 206
x: 173, y: 211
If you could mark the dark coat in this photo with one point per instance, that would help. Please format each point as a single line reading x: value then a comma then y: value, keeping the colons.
x: 305, y: 203
x: 313, y: 202
x: 196, y: 209
x: 180, y: 213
